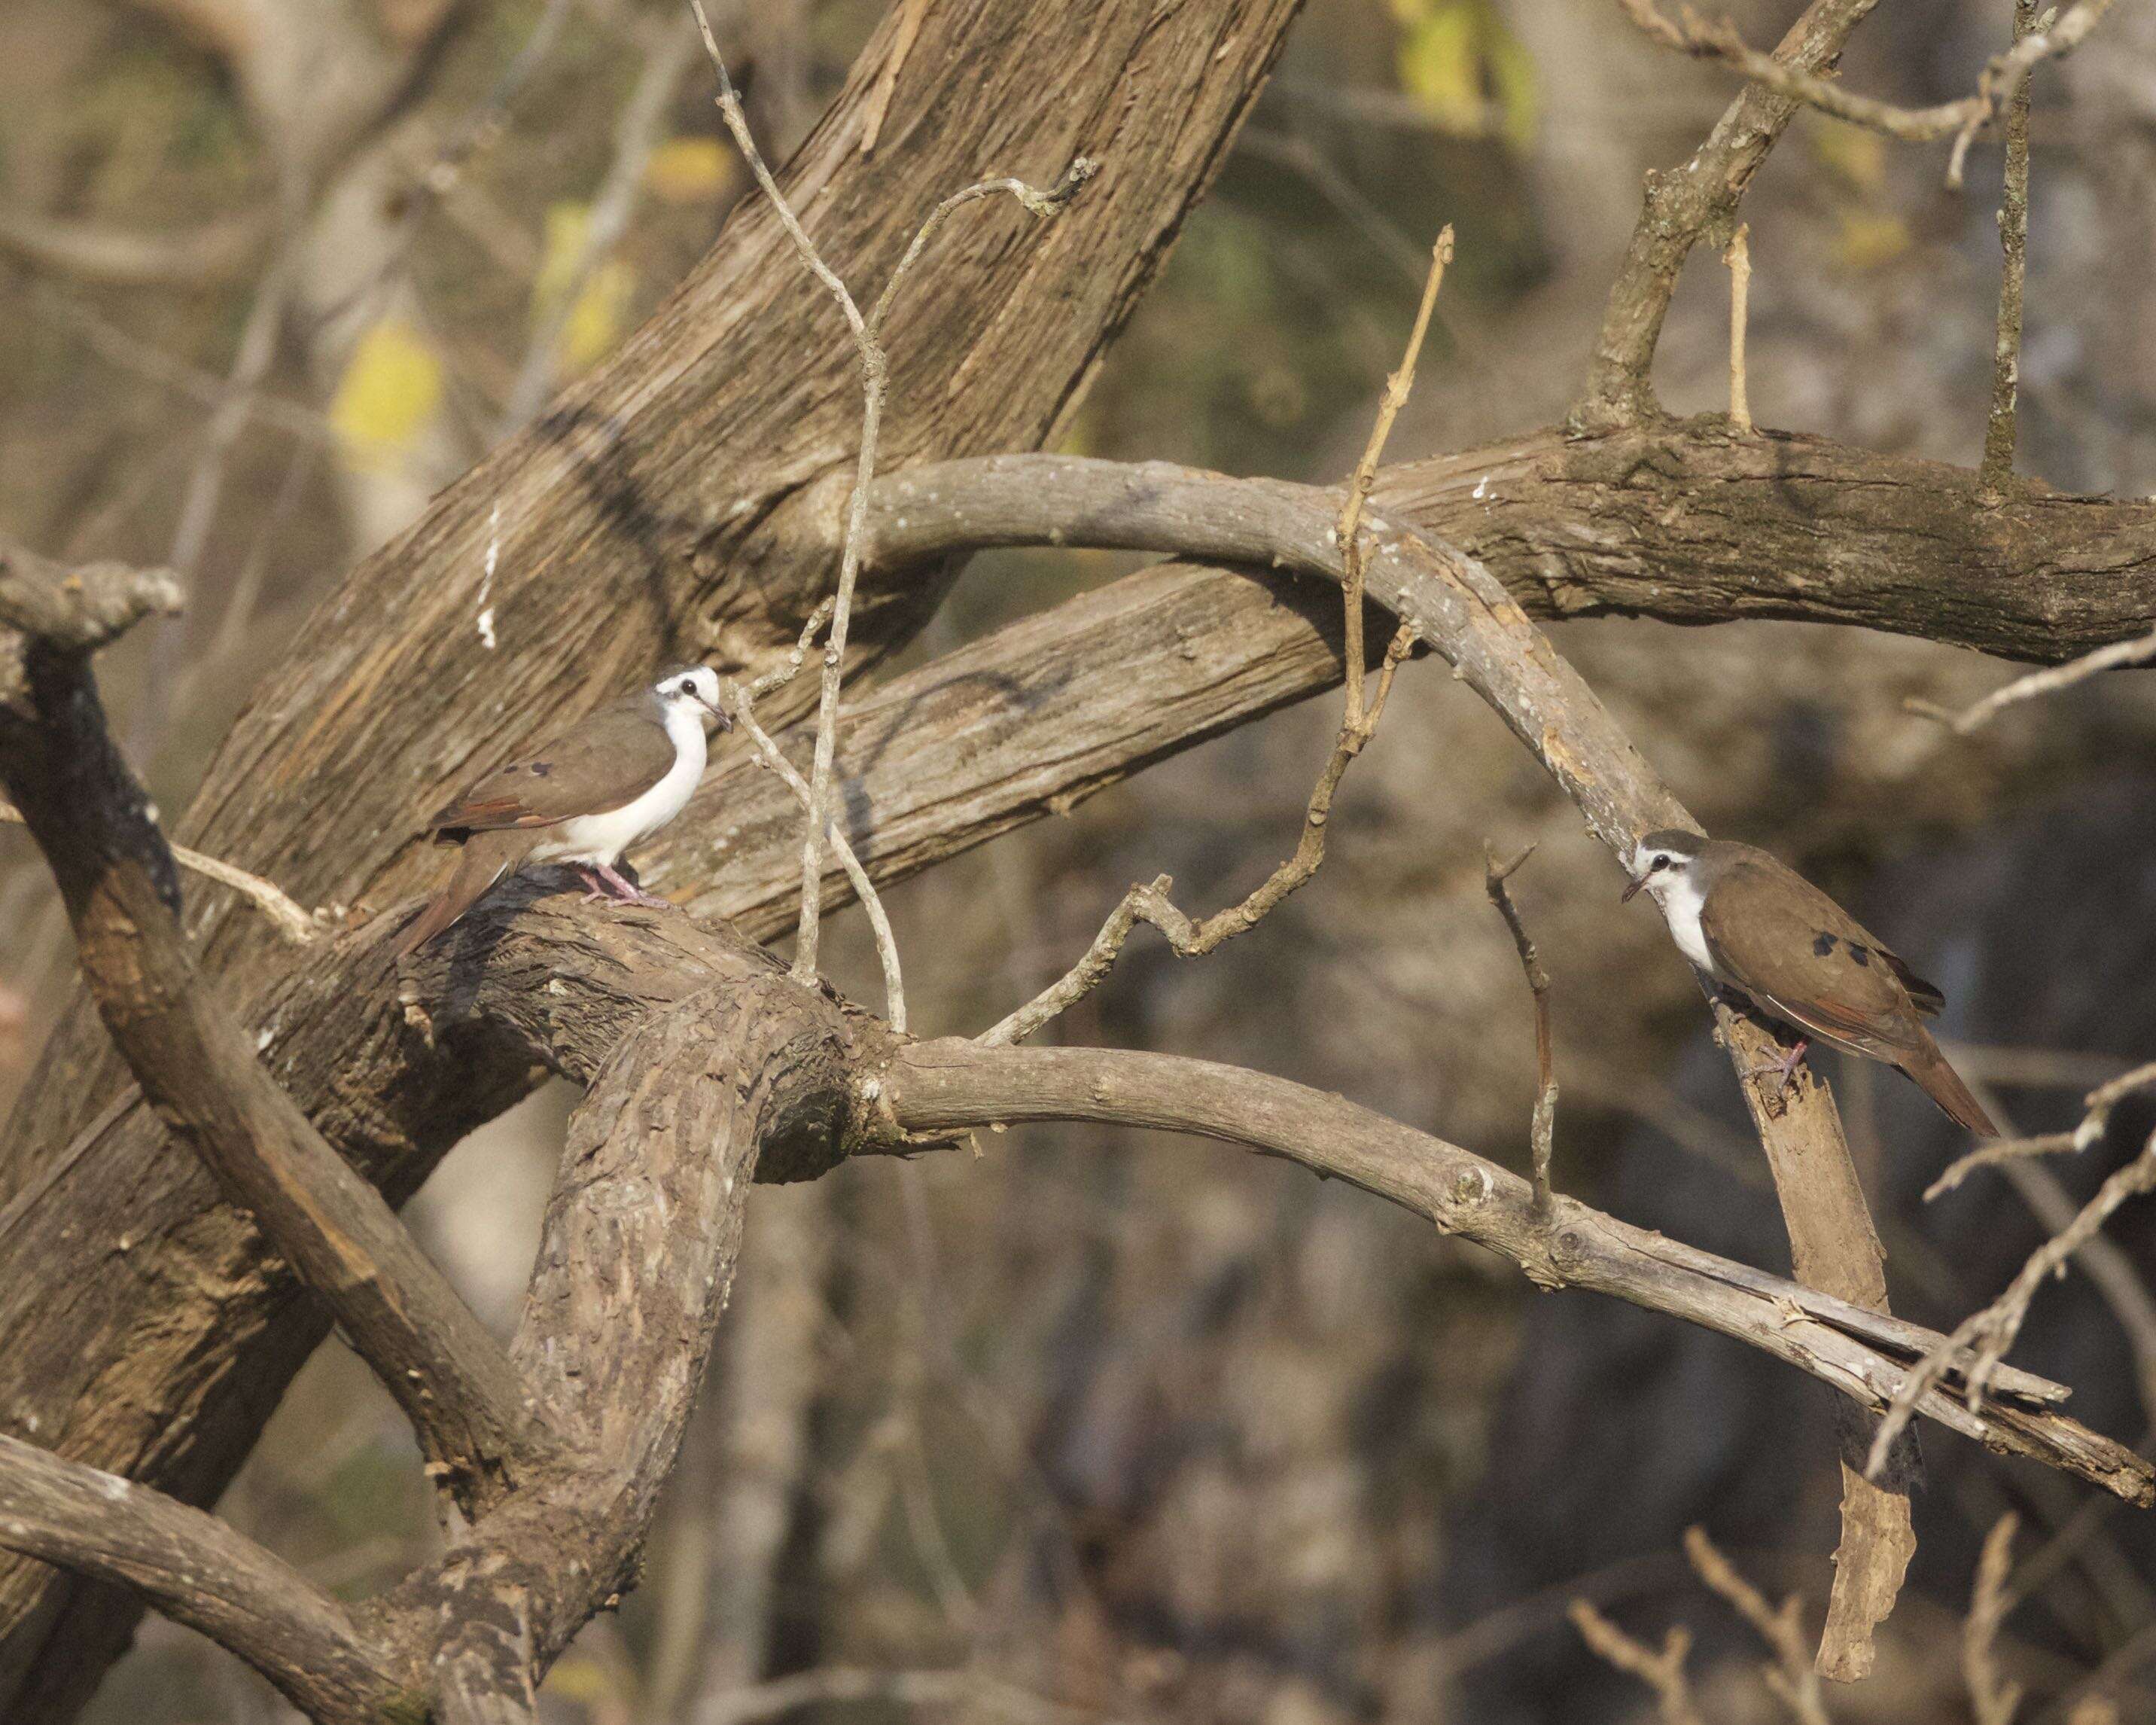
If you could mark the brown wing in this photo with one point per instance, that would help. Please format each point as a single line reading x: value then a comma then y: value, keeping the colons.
x: 601, y: 762
x: 1805, y: 958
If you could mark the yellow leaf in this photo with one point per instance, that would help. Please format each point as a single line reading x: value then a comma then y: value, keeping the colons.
x: 1852, y: 154
x: 1865, y: 242
x: 388, y: 392
x: 689, y: 170
x: 596, y: 320
x: 1466, y: 69
x: 1441, y: 67
x: 560, y: 251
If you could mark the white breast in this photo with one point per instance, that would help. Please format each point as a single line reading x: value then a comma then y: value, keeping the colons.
x: 603, y: 837
x: 1681, y: 902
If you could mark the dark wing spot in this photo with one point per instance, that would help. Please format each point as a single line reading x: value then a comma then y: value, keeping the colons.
x: 542, y: 769
x: 1862, y: 955
x: 1824, y: 945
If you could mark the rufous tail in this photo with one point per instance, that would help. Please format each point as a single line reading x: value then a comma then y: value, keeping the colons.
x: 1927, y: 1067
x: 483, y: 859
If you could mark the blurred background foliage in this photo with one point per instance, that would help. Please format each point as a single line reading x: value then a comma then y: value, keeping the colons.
x: 1129, y: 1428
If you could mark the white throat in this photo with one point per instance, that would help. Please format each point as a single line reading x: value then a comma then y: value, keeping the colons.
x: 1681, y: 901
x: 602, y: 838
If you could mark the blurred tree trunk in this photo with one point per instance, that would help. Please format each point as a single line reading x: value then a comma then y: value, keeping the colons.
x: 677, y: 503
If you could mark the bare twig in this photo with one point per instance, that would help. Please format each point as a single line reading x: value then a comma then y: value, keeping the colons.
x: 875, y: 366
x: 2052, y: 679
x: 1187, y: 939
x: 1981, y: 1340
x: 1737, y: 255
x: 742, y: 701
x: 1358, y: 724
x: 1998, y: 1151
x: 1663, y: 1672
x: 1992, y: 1700
x: 1543, y: 1131
x: 1395, y: 397
x: 297, y: 926
x: 1791, y: 1676
x: 1997, y: 467
x: 2002, y: 81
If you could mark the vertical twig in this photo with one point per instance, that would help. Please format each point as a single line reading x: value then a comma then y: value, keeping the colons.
x: 1397, y: 386
x: 874, y: 367
x: 1544, y: 1129
x: 1737, y: 255
x: 1998, y: 431
x: 1994, y: 1702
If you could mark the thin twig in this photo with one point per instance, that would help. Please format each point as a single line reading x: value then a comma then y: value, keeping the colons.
x: 875, y: 380
x: 1395, y: 397
x: 1150, y: 903
x: 2048, y: 681
x: 1998, y: 1151
x: 2002, y: 82
x: 1663, y: 1672
x: 1737, y: 255
x: 296, y: 924
x: 1791, y: 1676
x: 1544, y: 1129
x: 1997, y: 467
x: 741, y: 701
x: 1993, y: 1701
x: 1981, y: 1340
x: 1187, y: 939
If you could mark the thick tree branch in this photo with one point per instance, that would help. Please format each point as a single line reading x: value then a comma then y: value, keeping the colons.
x: 198, y: 1066
x: 197, y: 1571
x: 634, y: 1267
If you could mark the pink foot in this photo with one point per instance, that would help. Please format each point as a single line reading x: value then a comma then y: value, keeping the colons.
x: 620, y: 888
x: 1783, y: 1070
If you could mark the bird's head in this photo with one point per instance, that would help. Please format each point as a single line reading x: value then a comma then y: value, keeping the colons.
x: 1662, y: 859
x: 694, y: 690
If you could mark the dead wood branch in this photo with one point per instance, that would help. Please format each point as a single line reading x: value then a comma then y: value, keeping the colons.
x: 197, y: 1571
x: 1542, y: 1132
x: 99, y: 833
x: 1663, y: 1672
x: 1696, y: 202
x: 1996, y: 469
x: 951, y: 1087
x: 2003, y: 79
x: 1978, y: 714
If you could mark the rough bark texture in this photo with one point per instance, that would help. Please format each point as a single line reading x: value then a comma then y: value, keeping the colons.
x: 680, y: 501
x: 634, y: 1265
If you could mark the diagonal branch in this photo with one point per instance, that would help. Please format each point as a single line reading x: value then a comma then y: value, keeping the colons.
x: 197, y: 1571
x: 199, y: 1067
x: 949, y: 1086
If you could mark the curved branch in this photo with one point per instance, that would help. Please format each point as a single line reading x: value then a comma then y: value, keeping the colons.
x: 949, y: 1086
x: 197, y: 1571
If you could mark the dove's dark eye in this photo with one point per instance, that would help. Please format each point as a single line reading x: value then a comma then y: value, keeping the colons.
x: 1660, y: 862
